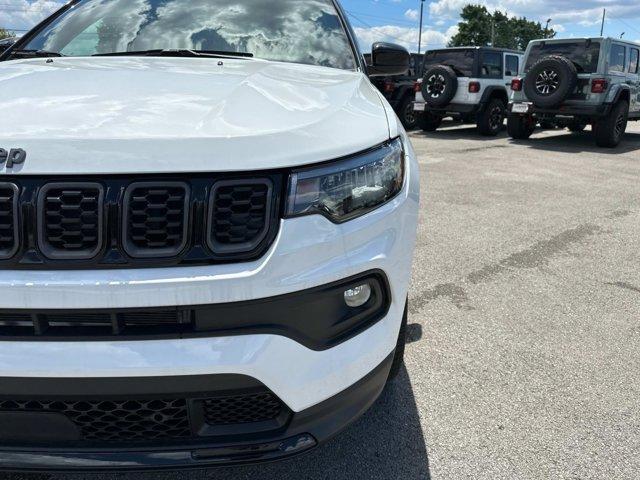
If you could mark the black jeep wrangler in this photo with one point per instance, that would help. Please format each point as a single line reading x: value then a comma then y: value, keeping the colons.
x: 400, y: 90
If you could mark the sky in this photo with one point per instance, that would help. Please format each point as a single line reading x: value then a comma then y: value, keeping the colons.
x: 398, y: 20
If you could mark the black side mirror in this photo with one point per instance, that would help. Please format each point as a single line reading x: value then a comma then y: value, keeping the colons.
x: 388, y: 59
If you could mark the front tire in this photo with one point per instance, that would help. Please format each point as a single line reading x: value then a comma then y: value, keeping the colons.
x: 491, y: 119
x: 408, y: 116
x: 398, y: 357
x: 429, y: 122
x: 520, y: 127
x: 609, y: 130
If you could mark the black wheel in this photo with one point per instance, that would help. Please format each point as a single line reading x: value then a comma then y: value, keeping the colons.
x: 429, y: 122
x: 439, y: 85
x: 609, y: 130
x: 577, y: 126
x: 398, y: 357
x: 408, y: 116
x: 491, y: 119
x: 550, y: 81
x: 520, y: 127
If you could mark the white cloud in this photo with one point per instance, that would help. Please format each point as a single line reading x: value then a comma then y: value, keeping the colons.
x: 21, y: 15
x: 584, y: 13
x: 405, y: 36
x: 412, y: 14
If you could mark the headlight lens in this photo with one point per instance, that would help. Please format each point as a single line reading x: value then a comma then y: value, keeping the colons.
x: 347, y: 189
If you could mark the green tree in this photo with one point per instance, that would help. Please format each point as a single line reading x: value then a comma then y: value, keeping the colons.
x: 479, y: 27
x: 5, y: 33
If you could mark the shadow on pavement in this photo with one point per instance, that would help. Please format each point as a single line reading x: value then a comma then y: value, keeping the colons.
x: 386, y: 443
x: 456, y: 130
x: 579, y: 143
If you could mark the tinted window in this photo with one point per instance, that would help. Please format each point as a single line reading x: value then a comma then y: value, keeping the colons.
x: 301, y: 31
x: 633, y: 63
x: 584, y: 54
x: 512, y: 65
x: 460, y: 60
x: 415, y: 65
x: 491, y: 65
x: 617, y: 58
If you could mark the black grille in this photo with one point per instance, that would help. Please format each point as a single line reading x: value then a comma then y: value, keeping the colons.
x: 240, y: 409
x: 147, y: 221
x: 8, y: 216
x: 145, y: 420
x: 115, y: 420
x: 70, y: 220
x: 239, y: 214
x: 135, y: 323
x: 156, y: 219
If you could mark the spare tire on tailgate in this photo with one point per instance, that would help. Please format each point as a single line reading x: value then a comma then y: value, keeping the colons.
x: 550, y: 81
x: 439, y: 85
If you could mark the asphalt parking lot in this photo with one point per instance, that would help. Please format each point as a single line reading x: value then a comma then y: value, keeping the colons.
x: 524, y: 354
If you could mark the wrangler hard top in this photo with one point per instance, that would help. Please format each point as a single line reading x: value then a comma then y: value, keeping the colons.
x: 576, y: 82
x: 469, y: 83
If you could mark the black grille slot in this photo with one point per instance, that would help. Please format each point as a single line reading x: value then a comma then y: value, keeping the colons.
x: 115, y: 420
x: 241, y: 409
x: 155, y: 220
x: 239, y: 215
x: 70, y: 220
x: 8, y: 217
x: 55, y: 324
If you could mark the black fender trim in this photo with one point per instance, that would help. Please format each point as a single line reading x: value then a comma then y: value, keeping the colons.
x: 621, y: 89
x: 490, y: 91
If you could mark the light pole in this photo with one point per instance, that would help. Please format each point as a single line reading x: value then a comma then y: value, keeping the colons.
x: 420, y: 34
x: 546, y: 28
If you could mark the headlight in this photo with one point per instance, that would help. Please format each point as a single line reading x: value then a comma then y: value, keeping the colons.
x: 349, y: 188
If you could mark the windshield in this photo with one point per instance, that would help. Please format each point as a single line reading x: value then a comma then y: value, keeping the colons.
x: 583, y: 54
x: 460, y: 60
x: 300, y: 31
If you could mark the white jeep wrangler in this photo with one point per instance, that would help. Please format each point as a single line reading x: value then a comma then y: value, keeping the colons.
x: 576, y: 82
x: 470, y: 84
x: 207, y: 221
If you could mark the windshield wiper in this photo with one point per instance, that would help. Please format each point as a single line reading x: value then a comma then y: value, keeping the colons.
x: 36, y: 53
x: 181, y: 52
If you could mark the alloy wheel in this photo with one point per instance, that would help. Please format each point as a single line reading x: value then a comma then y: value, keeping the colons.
x: 409, y: 115
x: 436, y: 85
x: 547, y: 82
x: 496, y: 118
x: 619, y: 126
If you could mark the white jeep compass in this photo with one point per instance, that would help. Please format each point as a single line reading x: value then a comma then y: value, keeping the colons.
x: 207, y: 220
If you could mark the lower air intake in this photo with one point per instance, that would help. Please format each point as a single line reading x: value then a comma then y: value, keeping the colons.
x: 115, y: 420
x: 258, y: 407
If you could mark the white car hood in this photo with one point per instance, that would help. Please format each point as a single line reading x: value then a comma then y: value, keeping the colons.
x: 149, y: 114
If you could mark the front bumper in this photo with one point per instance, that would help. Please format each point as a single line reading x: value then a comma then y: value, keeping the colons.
x: 302, y: 431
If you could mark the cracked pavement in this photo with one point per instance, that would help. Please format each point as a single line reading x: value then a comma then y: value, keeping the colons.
x: 524, y: 353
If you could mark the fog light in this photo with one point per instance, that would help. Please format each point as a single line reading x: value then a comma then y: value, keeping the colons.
x: 357, y: 296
